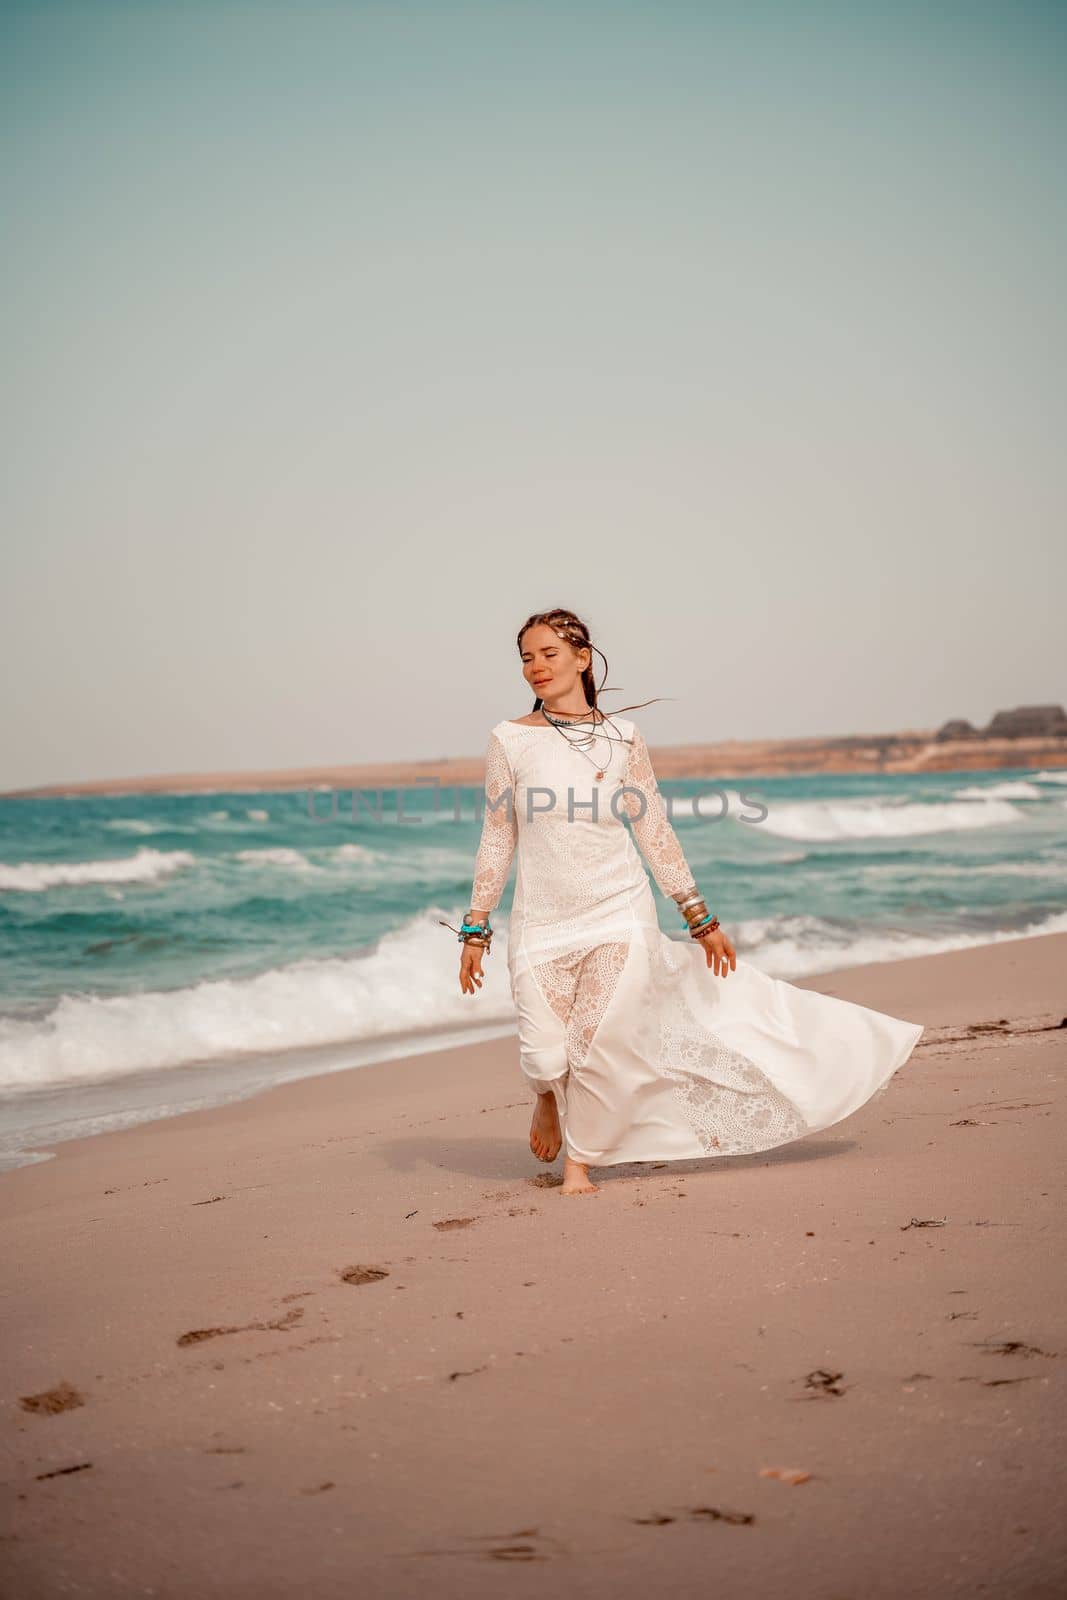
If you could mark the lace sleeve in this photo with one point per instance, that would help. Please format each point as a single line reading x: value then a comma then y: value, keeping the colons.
x: 652, y: 829
x: 499, y: 830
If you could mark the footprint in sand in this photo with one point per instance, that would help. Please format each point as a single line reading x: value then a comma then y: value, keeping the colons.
x: 993, y: 1383
x: 820, y: 1383
x: 359, y: 1275
x: 716, y: 1514
x: 454, y: 1222
x: 64, y: 1397
x: 64, y: 1472
x: 279, y: 1325
x: 526, y: 1544
x: 1011, y: 1347
x: 660, y: 1519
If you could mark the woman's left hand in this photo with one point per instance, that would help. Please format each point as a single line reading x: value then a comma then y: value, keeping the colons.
x: 720, y: 953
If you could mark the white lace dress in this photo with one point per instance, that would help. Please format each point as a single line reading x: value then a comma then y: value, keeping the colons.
x: 650, y: 1056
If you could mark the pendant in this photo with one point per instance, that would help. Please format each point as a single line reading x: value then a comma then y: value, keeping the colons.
x: 599, y: 776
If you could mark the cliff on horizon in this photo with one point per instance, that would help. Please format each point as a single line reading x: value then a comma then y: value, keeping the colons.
x: 1025, y: 722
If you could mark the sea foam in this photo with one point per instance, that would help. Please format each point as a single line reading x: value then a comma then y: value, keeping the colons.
x: 406, y: 986
x: 1010, y: 789
x: 33, y: 877
x: 802, y: 947
x: 827, y: 820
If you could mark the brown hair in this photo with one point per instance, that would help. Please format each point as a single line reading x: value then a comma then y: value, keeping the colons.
x: 567, y: 625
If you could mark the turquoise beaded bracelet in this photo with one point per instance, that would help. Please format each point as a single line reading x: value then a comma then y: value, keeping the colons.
x: 466, y: 928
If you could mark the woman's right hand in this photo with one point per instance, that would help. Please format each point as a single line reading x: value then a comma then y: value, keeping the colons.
x: 470, y: 968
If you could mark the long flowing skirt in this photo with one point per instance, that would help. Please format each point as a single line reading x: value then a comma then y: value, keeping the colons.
x: 651, y: 1057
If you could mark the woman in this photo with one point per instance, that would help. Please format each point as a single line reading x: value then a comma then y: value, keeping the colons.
x: 632, y: 1050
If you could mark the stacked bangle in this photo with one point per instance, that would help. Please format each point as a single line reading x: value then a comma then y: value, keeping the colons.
x: 476, y: 933
x: 697, y: 915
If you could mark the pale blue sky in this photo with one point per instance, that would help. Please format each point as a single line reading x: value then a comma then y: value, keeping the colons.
x: 340, y: 337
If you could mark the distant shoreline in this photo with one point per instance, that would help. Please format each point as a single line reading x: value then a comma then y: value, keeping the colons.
x: 914, y: 752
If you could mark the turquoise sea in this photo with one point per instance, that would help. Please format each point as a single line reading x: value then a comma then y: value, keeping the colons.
x: 158, y: 952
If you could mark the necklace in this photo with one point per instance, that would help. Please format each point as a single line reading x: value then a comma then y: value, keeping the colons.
x: 585, y: 741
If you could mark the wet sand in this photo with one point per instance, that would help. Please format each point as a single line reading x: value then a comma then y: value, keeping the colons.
x: 347, y: 1339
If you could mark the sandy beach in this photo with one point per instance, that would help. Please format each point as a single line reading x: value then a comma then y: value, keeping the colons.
x: 836, y: 1368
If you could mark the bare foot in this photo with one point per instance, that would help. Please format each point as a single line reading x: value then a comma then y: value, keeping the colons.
x: 576, y: 1179
x: 545, y: 1137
